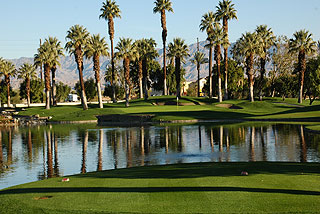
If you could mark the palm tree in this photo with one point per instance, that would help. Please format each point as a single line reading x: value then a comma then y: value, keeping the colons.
x: 303, y: 44
x: 110, y: 10
x: 77, y: 37
x: 127, y: 52
x: 266, y: 41
x: 179, y: 50
x: 161, y: 7
x: 145, y: 51
x: 247, y: 46
x: 27, y: 72
x: 7, y: 70
x: 95, y: 48
x: 207, y: 24
x: 199, y: 59
x: 226, y: 12
x: 57, y: 52
x: 218, y: 37
x: 45, y: 57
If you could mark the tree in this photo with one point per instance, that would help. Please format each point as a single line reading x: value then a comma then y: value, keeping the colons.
x: 179, y: 50
x: 77, y: 37
x: 312, y: 80
x: 266, y: 41
x: 207, y: 24
x: 303, y: 44
x: 46, y: 57
x: 110, y: 10
x: 199, y: 59
x: 118, y: 83
x: 62, y: 92
x: 1, y: 64
x: 226, y: 12
x: 247, y: 47
x: 4, y: 91
x: 95, y: 48
x: 127, y: 52
x: 7, y: 70
x: 36, y: 90
x: 90, y: 88
x: 161, y: 6
x: 27, y: 72
x: 57, y: 52
x: 217, y: 38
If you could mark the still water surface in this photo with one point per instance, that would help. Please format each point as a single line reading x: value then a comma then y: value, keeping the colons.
x: 35, y: 153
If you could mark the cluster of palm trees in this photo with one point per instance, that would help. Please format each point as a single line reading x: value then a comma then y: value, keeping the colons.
x: 8, y: 70
x: 217, y: 37
x: 249, y: 49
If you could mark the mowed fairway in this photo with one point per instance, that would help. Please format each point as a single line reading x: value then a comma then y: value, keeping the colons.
x: 185, y: 188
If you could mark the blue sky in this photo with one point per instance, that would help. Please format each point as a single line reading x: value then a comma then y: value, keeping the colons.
x: 23, y: 22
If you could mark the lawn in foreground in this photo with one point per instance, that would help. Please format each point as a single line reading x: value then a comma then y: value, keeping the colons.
x: 184, y: 188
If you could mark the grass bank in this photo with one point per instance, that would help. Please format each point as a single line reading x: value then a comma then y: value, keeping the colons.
x: 184, y: 188
x: 189, y: 108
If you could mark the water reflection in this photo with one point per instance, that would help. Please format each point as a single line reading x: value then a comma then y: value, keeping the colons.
x: 28, y: 154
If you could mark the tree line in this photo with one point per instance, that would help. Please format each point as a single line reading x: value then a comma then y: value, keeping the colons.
x: 291, y: 59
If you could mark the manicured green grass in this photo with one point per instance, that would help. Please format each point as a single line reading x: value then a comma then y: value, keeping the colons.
x: 184, y: 188
x: 202, y: 108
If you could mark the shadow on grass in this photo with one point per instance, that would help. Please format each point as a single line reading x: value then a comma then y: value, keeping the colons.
x: 298, y: 110
x: 154, y: 190
x: 194, y: 170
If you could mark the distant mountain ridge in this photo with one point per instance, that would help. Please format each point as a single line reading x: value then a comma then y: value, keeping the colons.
x: 68, y: 73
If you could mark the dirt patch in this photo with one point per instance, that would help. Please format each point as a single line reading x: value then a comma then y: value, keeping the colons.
x: 174, y: 103
x: 42, y: 197
x: 229, y: 106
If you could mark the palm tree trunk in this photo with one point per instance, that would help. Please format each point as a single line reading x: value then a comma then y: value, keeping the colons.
x: 178, y: 76
x: 54, y: 88
x: 226, y: 95
x: 7, y: 80
x: 262, y: 72
x: 28, y: 91
x: 79, y: 61
x: 210, y: 72
x: 198, y: 68
x: 96, y: 68
x: 47, y: 84
x: 114, y: 100
x: 164, y: 39
x: 126, y: 63
x: 145, y: 79
x: 140, y: 79
x: 219, y: 72
x: 250, y: 76
x: 302, y: 65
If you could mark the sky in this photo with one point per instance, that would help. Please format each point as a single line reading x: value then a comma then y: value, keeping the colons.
x: 23, y: 22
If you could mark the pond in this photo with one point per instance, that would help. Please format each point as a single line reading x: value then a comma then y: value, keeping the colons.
x: 34, y: 153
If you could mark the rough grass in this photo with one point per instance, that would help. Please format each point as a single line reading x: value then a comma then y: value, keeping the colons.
x: 184, y: 188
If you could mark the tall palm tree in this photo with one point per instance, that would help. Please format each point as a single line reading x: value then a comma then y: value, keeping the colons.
x: 77, y: 37
x: 179, y: 50
x: 57, y: 52
x: 110, y: 10
x: 303, y: 44
x: 207, y: 24
x: 161, y: 6
x: 199, y: 59
x: 218, y: 37
x: 46, y: 57
x: 247, y: 47
x: 140, y: 52
x: 226, y: 12
x: 27, y: 72
x: 95, y: 48
x: 266, y: 40
x: 7, y: 70
x: 127, y: 52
